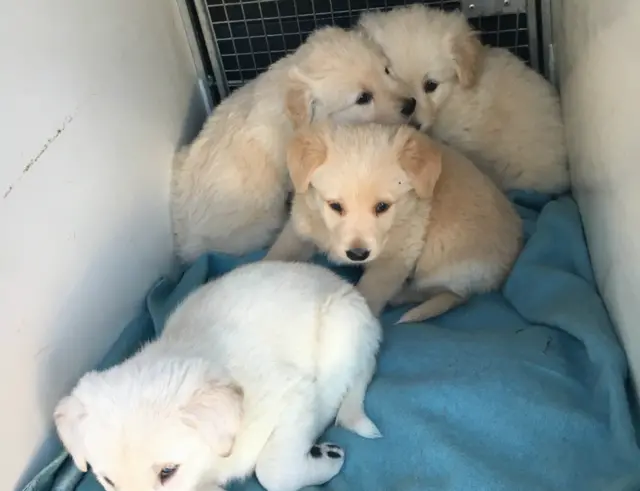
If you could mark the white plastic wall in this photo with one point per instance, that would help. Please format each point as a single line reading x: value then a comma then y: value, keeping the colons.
x: 93, y: 101
x: 598, y: 58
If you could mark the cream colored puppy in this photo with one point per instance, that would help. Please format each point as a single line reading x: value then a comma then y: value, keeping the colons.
x: 230, y: 186
x: 484, y: 101
x: 428, y: 225
x: 248, y: 372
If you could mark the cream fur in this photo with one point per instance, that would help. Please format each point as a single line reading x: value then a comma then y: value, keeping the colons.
x: 248, y: 372
x: 448, y: 232
x: 488, y: 104
x: 229, y: 187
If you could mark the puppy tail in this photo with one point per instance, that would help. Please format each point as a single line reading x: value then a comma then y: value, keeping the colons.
x: 436, y: 305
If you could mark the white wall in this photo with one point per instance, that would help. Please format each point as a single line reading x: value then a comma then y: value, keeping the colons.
x: 598, y: 49
x: 93, y: 100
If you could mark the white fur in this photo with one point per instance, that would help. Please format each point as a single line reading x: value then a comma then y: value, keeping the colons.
x: 230, y: 186
x: 248, y: 372
x: 504, y: 116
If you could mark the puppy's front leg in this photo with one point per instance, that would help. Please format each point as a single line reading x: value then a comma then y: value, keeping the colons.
x: 289, y: 246
x: 382, y: 280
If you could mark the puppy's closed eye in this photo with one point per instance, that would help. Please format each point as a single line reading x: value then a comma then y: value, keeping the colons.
x: 108, y: 481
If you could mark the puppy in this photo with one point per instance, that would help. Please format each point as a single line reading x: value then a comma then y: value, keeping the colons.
x: 248, y: 372
x: 229, y: 187
x: 428, y: 225
x: 483, y: 101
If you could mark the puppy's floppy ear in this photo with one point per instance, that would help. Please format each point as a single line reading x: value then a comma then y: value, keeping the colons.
x: 307, y: 151
x: 299, y: 101
x: 68, y: 417
x: 421, y: 159
x: 215, y: 410
x: 467, y: 52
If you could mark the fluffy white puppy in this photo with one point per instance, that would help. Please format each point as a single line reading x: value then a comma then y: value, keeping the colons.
x: 230, y: 185
x: 483, y: 101
x: 248, y: 372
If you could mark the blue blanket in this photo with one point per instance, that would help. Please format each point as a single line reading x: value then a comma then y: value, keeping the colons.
x: 522, y: 390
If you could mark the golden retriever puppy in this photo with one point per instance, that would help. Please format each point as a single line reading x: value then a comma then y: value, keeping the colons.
x: 230, y: 185
x: 429, y: 226
x: 483, y: 101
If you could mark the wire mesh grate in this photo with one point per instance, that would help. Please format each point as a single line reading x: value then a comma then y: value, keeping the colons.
x: 249, y: 35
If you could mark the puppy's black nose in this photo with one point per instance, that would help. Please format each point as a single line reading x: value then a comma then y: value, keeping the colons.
x: 358, y: 254
x: 408, y: 106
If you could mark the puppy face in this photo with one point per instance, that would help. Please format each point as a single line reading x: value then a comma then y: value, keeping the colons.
x: 361, y: 180
x: 431, y: 50
x: 344, y: 76
x: 148, y: 430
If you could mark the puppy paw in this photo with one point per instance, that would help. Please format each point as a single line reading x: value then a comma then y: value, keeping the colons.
x: 327, y: 450
x: 328, y: 457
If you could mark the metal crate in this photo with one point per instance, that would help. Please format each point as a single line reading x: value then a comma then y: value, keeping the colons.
x: 239, y: 39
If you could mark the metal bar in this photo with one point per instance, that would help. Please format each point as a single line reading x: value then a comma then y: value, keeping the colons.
x: 532, y: 27
x: 233, y: 39
x: 246, y: 26
x: 185, y: 18
x: 196, y: 55
x: 518, y: 33
x: 212, y: 47
x: 266, y: 39
x: 547, y: 40
x: 284, y: 40
x: 297, y: 17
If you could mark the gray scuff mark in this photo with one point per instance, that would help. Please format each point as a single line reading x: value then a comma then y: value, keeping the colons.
x: 42, y: 151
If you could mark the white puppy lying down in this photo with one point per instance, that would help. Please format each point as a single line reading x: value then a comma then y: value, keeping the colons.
x: 230, y: 185
x: 248, y: 372
x: 483, y: 101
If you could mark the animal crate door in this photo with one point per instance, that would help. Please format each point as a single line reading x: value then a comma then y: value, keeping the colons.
x: 241, y: 38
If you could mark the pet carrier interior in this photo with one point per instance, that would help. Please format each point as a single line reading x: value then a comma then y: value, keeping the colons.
x: 529, y: 388
x: 240, y: 39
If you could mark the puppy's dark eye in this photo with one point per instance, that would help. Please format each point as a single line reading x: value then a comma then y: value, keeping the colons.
x: 364, y: 98
x: 387, y: 71
x: 337, y: 207
x: 108, y: 481
x: 381, y: 207
x: 430, y: 86
x: 167, y: 472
